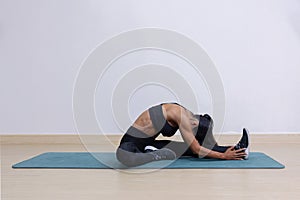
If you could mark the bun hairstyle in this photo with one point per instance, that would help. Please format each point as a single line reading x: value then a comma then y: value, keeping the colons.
x: 205, y: 123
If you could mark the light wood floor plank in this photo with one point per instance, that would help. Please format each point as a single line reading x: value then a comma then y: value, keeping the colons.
x: 31, y: 184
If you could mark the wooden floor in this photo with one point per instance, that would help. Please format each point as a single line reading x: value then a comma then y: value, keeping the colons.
x: 44, y: 184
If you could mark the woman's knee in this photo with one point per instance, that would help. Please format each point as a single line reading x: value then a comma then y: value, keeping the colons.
x: 125, y: 157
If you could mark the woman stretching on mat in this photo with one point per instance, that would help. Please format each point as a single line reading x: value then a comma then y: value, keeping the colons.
x: 139, y: 145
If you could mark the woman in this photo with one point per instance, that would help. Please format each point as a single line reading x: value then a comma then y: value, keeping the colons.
x: 139, y: 145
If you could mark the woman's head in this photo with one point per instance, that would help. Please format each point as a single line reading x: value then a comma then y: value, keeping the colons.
x: 205, y: 123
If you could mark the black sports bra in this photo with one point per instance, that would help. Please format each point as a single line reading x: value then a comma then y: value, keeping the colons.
x: 168, y: 130
x: 160, y: 123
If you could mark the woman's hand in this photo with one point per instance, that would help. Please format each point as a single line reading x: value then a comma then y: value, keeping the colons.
x: 232, y: 154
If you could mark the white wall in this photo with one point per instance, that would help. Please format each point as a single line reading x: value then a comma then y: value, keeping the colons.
x: 255, y: 45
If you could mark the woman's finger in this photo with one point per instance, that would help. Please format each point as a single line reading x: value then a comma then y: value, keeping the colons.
x: 241, y: 150
x: 231, y: 148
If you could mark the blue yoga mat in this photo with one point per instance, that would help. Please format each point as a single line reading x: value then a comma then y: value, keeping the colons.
x: 86, y: 160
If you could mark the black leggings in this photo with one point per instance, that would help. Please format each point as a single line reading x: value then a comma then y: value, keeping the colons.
x: 131, y: 149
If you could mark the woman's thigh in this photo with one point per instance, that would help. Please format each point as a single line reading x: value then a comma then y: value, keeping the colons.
x: 180, y: 148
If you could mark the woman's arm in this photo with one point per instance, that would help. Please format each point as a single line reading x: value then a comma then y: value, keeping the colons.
x: 186, y: 131
x: 229, y: 154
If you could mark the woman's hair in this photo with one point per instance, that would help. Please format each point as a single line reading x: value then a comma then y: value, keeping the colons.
x: 205, y: 123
